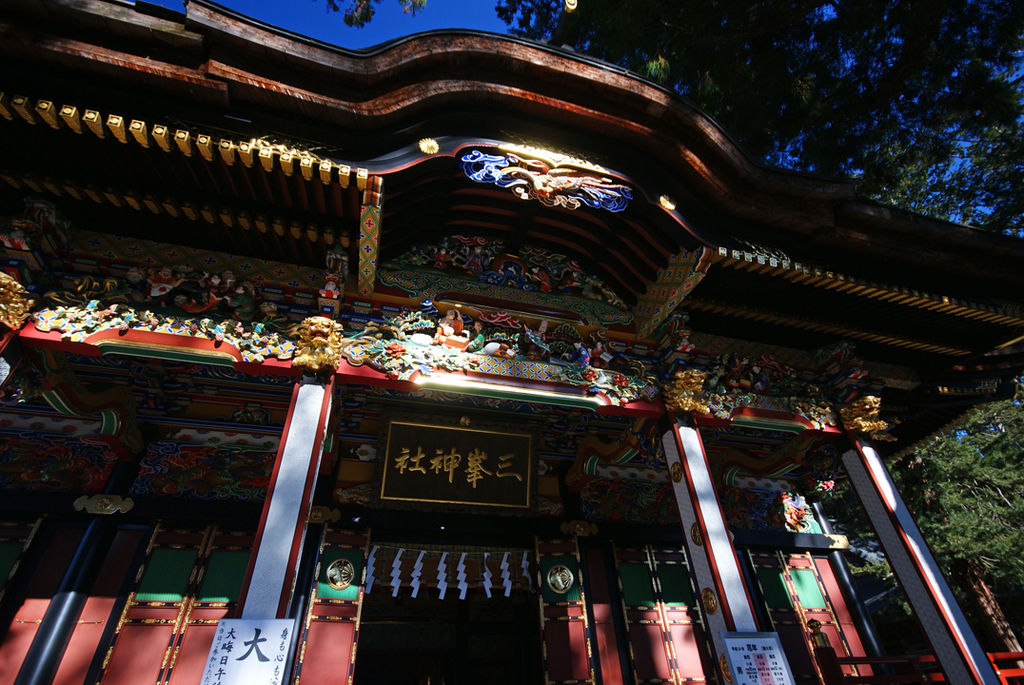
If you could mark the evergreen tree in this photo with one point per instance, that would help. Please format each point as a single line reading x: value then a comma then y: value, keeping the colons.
x: 918, y: 99
x: 966, y: 491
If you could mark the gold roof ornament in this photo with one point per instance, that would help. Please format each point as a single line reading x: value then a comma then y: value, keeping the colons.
x: 14, y: 302
x: 685, y: 392
x: 862, y: 417
x: 428, y: 146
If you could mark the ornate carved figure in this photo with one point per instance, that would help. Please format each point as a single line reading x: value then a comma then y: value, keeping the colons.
x: 319, y: 345
x: 684, y: 392
x: 449, y: 330
x: 862, y: 417
x: 14, y: 302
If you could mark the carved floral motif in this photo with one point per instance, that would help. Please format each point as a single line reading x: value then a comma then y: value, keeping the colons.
x: 533, y: 269
x: 254, y: 341
x: 619, y: 388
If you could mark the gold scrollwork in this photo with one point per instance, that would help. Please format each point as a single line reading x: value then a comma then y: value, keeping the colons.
x: 103, y: 504
x: 340, y: 573
x: 321, y: 514
x: 709, y: 600
x: 560, y: 579
x: 862, y: 417
x: 580, y: 528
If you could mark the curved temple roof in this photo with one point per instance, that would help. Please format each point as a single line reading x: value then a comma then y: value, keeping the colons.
x: 798, y: 260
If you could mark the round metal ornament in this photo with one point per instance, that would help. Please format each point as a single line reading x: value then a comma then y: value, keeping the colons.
x: 340, y: 573
x: 560, y: 579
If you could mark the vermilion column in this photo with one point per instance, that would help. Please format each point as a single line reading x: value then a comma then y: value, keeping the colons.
x: 956, y: 647
x: 278, y: 543
x: 724, y: 594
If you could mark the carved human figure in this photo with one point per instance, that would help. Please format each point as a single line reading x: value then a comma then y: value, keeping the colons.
x: 450, y: 326
x: 162, y: 281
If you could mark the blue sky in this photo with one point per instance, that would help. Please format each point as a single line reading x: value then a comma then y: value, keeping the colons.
x: 311, y: 18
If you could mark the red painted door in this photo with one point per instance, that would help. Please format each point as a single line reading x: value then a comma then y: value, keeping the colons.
x: 53, y: 552
x: 563, y: 615
x: 799, y: 587
x: 667, y: 639
x: 190, y: 580
x: 327, y: 651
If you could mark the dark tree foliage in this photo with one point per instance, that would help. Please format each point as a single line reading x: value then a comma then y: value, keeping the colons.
x: 965, y: 489
x: 918, y: 99
x: 360, y: 12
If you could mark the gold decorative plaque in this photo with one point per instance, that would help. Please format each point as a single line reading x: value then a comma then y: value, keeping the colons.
x: 725, y: 669
x: 709, y: 600
x: 560, y: 579
x: 103, y: 504
x: 435, y: 463
x: 340, y: 573
x: 676, y: 472
x: 698, y: 537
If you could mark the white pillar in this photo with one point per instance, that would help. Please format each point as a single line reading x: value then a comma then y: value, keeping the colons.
x: 714, y: 562
x: 278, y: 541
x: 957, y: 649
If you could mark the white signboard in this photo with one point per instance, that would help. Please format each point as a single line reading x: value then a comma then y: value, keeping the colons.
x: 249, y: 652
x: 756, y: 659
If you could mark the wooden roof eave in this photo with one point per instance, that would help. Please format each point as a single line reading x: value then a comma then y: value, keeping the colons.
x: 823, y: 212
x: 661, y: 109
x: 947, y: 249
x: 401, y: 63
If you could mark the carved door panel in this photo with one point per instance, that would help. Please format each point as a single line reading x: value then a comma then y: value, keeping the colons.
x: 684, y: 619
x: 14, y: 540
x: 53, y: 551
x: 799, y: 587
x: 563, y: 615
x: 327, y: 651
x: 189, y: 581
x: 664, y: 625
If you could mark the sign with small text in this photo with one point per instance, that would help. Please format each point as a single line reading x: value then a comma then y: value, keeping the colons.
x: 756, y: 659
x: 457, y: 465
x: 249, y: 652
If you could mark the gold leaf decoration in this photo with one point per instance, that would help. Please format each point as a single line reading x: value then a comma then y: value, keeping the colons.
x: 319, y: 346
x: 862, y: 417
x: 14, y: 302
x: 685, y: 392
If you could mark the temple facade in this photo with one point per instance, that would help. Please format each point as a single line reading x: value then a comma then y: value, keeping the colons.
x: 461, y: 359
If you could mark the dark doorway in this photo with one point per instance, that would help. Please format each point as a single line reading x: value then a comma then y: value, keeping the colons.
x: 429, y: 641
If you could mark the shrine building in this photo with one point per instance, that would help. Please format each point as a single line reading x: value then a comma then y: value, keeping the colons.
x: 461, y: 359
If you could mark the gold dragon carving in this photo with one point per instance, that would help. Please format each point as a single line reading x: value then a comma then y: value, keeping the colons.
x: 684, y: 393
x: 14, y: 302
x: 862, y: 417
x: 319, y: 345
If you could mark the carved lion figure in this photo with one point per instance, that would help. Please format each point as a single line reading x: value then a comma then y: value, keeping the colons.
x: 684, y: 393
x: 862, y: 417
x: 14, y: 302
x: 319, y: 345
